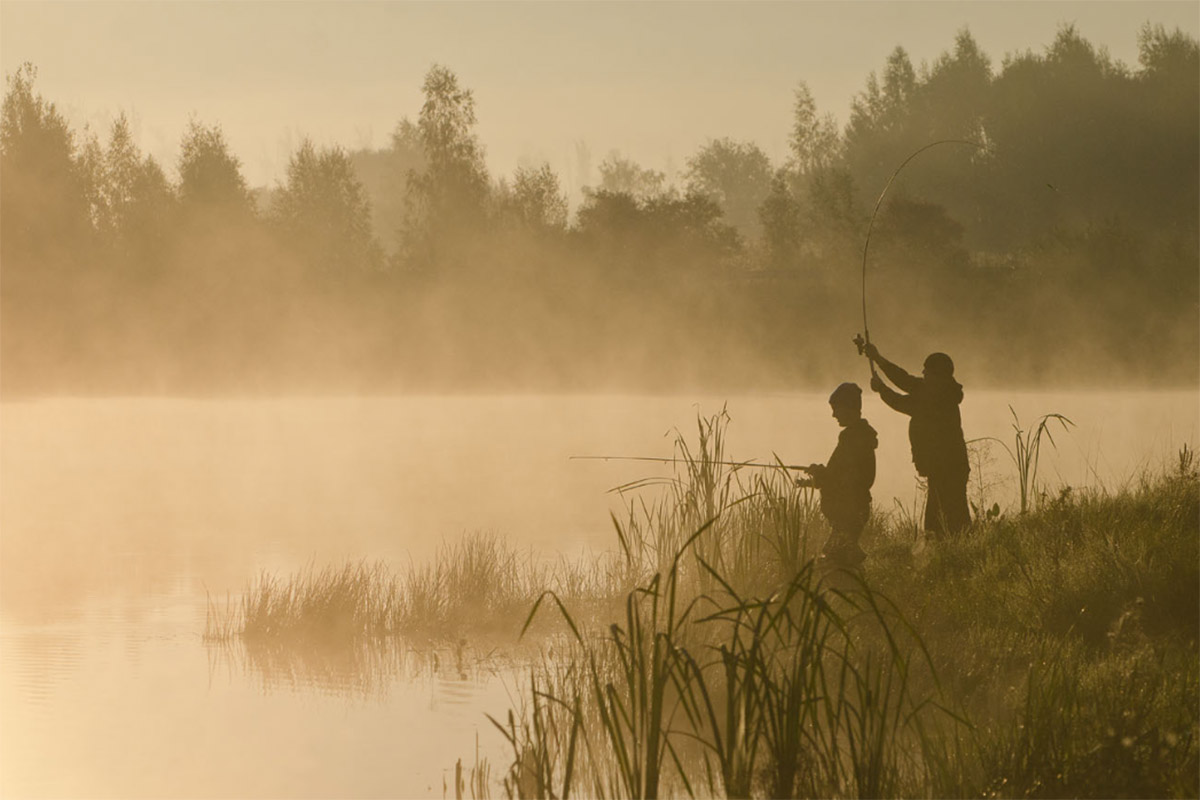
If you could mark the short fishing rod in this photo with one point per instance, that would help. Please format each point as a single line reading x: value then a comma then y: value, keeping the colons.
x: 753, y: 464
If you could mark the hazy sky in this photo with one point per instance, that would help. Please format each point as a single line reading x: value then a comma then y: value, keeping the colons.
x: 654, y: 80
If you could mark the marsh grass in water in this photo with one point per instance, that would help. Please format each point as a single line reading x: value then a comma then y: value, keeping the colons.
x: 473, y: 585
x: 1046, y: 653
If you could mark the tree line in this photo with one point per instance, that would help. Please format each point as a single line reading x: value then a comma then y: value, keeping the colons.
x: 1062, y: 247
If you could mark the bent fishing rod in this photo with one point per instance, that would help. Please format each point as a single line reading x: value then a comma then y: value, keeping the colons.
x: 754, y: 464
x: 865, y: 339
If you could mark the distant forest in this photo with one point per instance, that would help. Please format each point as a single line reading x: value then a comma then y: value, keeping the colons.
x: 1061, y: 251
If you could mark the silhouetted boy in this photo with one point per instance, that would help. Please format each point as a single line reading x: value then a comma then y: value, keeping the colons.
x: 939, y: 451
x: 845, y: 482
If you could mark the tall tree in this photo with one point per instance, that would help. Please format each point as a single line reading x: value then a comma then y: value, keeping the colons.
x: 619, y: 174
x: 1167, y: 53
x: 779, y: 215
x: 536, y: 201
x: 324, y: 214
x: 953, y: 97
x: 1060, y: 127
x: 737, y: 176
x: 447, y: 202
x: 814, y: 140
x: 880, y: 131
x: 950, y: 103
x: 47, y: 260
x: 210, y: 175
x: 43, y: 196
x: 384, y: 175
x: 1168, y: 112
x: 136, y: 203
x: 899, y: 81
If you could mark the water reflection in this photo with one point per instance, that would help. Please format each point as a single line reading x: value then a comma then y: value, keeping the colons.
x: 365, y: 668
x: 120, y: 518
x: 156, y: 712
x: 36, y: 661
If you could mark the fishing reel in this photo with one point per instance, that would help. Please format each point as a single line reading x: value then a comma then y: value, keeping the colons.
x: 860, y: 343
x: 814, y: 472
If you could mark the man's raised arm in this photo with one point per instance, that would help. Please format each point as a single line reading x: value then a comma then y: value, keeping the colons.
x: 897, y: 375
x: 903, y: 403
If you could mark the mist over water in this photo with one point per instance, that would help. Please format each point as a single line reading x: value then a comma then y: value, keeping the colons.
x: 232, y: 487
x: 123, y: 517
x: 392, y: 349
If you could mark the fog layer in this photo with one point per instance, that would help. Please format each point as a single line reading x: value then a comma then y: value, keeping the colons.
x: 1059, y: 246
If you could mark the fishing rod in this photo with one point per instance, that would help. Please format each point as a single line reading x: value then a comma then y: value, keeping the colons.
x: 754, y: 464
x: 865, y: 339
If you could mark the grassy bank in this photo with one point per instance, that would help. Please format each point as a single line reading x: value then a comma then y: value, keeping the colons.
x: 1069, y: 636
x: 1049, y: 653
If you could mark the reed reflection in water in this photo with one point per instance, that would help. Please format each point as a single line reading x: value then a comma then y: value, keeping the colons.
x: 106, y: 712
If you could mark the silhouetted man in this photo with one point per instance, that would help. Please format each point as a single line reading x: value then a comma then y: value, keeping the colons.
x: 939, y: 451
x: 845, y: 482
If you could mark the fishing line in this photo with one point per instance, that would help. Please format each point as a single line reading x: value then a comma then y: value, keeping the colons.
x: 866, y: 337
x: 752, y: 464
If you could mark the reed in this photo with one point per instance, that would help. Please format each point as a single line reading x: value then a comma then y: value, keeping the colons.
x: 1026, y: 453
x: 476, y: 583
x: 549, y: 729
x: 809, y: 689
x: 790, y: 681
x: 1047, y: 653
x: 737, y: 665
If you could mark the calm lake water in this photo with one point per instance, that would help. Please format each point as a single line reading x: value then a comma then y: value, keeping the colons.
x: 119, y: 517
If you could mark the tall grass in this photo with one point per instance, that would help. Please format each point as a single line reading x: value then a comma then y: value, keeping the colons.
x: 1048, y: 653
x: 478, y: 582
x: 1026, y: 452
x: 1062, y: 628
x: 811, y: 690
x: 737, y: 667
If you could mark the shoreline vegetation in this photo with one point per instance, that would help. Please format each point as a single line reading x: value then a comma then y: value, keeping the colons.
x: 1048, y: 652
